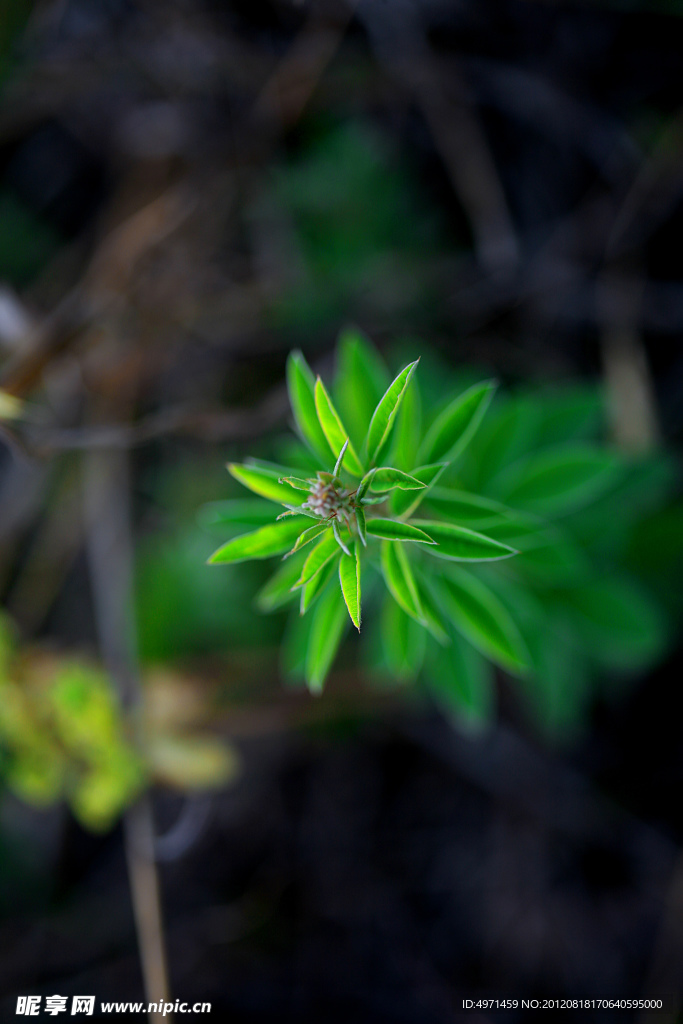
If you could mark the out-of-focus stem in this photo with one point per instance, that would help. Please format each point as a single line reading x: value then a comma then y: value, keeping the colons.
x: 144, y: 887
x: 109, y: 544
x: 630, y: 394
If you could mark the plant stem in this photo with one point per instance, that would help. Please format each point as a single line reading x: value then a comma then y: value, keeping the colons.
x: 109, y: 545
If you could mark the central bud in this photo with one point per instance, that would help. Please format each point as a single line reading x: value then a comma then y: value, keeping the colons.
x: 329, y: 499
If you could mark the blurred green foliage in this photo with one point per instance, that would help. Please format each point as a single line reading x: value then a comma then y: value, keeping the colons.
x: 62, y: 735
x: 183, y: 610
x: 347, y: 228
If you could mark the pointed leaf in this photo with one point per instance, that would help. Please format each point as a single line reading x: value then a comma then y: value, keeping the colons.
x: 362, y: 528
x: 298, y: 510
x: 405, y: 504
x: 392, y: 529
x: 560, y: 480
x: 452, y: 430
x: 338, y: 537
x: 296, y: 482
x: 278, y: 590
x: 457, y: 542
x: 269, y: 540
x: 327, y: 629
x: 386, y: 478
x: 301, y: 386
x: 407, y: 428
x: 349, y: 578
x: 340, y: 459
x: 334, y: 429
x: 307, y: 536
x: 360, y: 381
x: 321, y: 553
x: 265, y: 482
x: 399, y: 579
x: 384, y: 415
x: 312, y: 590
x: 364, y: 485
x: 478, y: 614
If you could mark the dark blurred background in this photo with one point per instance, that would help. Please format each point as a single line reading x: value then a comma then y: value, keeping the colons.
x: 188, y: 189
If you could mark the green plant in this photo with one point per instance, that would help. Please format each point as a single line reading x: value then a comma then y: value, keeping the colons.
x: 497, y: 540
x: 64, y: 735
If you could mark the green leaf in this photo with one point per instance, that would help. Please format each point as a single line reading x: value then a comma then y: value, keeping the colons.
x: 265, y: 482
x: 432, y: 614
x: 392, y: 529
x: 340, y: 459
x: 620, y: 624
x: 334, y: 430
x: 362, y: 526
x: 307, y: 536
x: 547, y: 555
x: 290, y: 451
x: 327, y: 629
x: 321, y: 553
x: 450, y: 433
x: 461, y: 680
x: 471, y: 509
x: 478, y: 614
x: 399, y: 579
x: 557, y: 563
x: 349, y: 578
x: 384, y: 415
x: 457, y: 542
x: 405, y: 504
x: 298, y: 510
x: 238, y: 511
x: 364, y: 485
x: 278, y: 590
x: 386, y: 478
x: 301, y: 386
x: 508, y: 432
x: 297, y: 483
x: 336, y: 532
x: 360, y: 382
x: 568, y: 413
x: 408, y: 428
x: 559, y: 481
x: 403, y: 641
x: 311, y: 590
x: 269, y: 540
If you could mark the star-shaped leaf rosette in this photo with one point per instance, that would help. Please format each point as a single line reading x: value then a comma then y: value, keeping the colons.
x: 354, y: 510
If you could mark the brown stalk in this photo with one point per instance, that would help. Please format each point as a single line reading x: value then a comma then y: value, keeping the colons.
x: 109, y: 546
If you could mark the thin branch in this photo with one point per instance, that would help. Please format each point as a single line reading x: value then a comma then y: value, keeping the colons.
x: 401, y: 44
x: 289, y: 89
x: 109, y: 544
x: 630, y: 392
x: 217, y: 425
